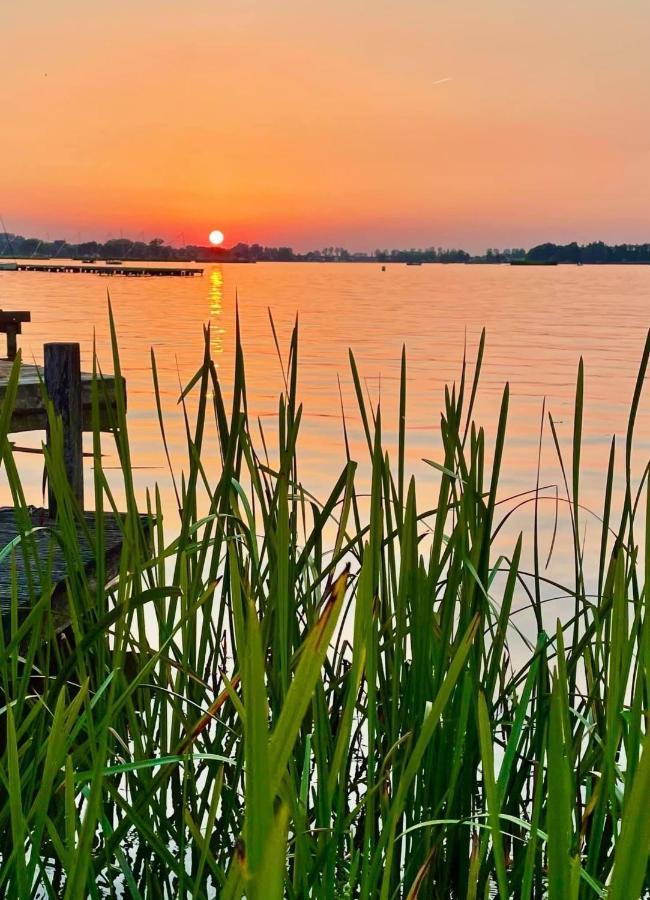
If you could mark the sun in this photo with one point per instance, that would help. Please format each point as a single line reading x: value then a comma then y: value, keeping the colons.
x: 216, y: 237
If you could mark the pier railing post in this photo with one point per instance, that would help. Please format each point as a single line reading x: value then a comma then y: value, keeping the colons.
x: 63, y: 385
x: 11, y: 323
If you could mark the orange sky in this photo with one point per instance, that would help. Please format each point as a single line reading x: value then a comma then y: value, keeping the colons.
x: 451, y: 122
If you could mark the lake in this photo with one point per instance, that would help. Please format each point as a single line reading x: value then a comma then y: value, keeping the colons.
x: 538, y: 321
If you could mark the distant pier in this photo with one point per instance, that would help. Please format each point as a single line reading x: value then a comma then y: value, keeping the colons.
x: 125, y: 271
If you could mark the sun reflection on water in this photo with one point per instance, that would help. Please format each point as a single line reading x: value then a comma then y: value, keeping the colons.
x: 215, y: 300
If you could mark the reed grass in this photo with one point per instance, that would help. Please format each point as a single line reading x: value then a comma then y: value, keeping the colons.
x: 301, y: 698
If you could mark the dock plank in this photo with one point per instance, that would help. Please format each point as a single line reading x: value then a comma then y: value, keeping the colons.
x: 29, y: 410
x: 39, y: 547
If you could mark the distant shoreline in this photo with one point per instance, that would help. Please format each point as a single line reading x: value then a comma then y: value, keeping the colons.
x: 98, y: 263
x: 128, y: 252
x: 148, y: 260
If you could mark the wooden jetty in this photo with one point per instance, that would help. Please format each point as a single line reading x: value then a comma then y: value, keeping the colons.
x: 39, y: 562
x: 75, y: 268
x: 29, y: 413
x: 28, y: 534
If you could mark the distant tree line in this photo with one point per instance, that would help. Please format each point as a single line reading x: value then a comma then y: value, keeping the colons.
x: 596, y: 252
x: 15, y: 245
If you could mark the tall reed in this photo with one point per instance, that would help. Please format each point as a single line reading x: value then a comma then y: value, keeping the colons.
x: 299, y: 698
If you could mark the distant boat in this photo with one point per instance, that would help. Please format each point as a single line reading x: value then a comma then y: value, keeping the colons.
x: 36, y: 255
x: 415, y: 262
x: 113, y: 262
x: 8, y: 267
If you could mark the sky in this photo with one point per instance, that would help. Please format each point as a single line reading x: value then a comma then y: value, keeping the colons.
x: 358, y: 124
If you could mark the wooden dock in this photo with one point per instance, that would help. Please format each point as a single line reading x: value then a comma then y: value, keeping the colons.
x: 31, y: 559
x: 38, y: 561
x: 29, y: 413
x: 124, y: 271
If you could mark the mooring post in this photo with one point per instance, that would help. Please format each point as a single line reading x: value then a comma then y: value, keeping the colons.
x: 63, y: 386
x: 12, y: 343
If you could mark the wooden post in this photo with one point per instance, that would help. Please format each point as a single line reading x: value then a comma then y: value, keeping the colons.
x: 12, y: 342
x: 11, y: 325
x: 63, y: 385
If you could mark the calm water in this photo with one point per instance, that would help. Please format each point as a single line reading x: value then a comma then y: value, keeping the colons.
x: 538, y: 322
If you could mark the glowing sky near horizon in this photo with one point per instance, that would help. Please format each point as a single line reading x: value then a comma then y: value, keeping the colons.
x: 363, y: 124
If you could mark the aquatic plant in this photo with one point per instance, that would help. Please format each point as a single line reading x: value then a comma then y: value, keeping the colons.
x: 297, y: 697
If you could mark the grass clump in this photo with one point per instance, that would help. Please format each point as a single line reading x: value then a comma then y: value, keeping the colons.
x: 295, y: 698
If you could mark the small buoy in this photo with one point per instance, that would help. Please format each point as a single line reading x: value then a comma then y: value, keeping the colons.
x: 383, y: 268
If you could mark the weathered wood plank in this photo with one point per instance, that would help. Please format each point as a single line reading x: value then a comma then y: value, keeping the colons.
x: 29, y: 410
x: 38, y: 551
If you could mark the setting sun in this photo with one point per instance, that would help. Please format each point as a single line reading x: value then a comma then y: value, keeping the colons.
x: 216, y: 237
